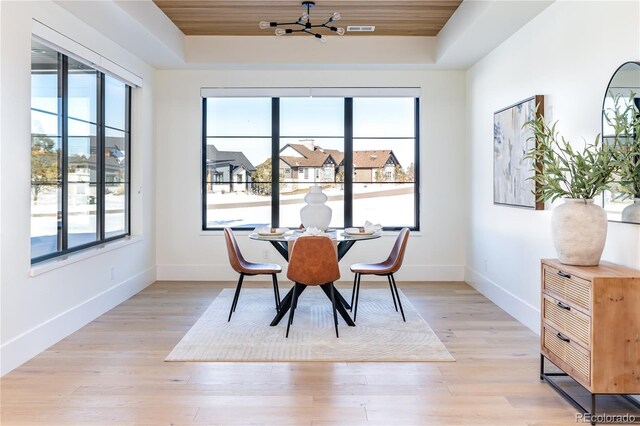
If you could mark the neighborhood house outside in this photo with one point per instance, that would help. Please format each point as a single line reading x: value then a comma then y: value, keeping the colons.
x: 235, y: 183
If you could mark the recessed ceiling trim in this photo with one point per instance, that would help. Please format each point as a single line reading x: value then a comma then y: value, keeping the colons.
x: 240, y: 17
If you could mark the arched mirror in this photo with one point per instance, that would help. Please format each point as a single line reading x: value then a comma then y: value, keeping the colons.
x: 622, y: 99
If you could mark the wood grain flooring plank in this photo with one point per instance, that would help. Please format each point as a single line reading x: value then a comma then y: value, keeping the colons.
x: 112, y: 371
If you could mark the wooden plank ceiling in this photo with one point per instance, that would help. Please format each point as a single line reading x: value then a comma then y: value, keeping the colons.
x: 241, y: 17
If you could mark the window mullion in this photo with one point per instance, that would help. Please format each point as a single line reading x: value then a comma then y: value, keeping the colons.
x: 416, y: 165
x: 127, y: 135
x: 204, y: 164
x: 348, y: 162
x: 64, y: 125
x: 100, y: 160
x: 275, y: 162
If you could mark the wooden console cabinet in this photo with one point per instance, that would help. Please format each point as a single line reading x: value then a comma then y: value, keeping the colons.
x: 591, y: 327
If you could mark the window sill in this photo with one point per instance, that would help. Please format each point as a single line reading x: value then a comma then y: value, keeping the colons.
x: 59, y: 262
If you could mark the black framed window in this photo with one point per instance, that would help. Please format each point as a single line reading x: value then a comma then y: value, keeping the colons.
x: 80, y: 145
x: 362, y: 151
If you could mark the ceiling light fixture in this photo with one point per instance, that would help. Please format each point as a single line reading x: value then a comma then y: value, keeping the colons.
x: 305, y: 22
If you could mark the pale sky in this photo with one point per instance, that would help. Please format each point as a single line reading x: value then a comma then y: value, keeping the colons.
x: 311, y: 117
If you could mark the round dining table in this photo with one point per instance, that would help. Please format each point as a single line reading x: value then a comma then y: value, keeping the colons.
x: 344, y: 243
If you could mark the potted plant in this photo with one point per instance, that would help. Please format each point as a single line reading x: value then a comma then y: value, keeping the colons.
x: 625, y: 121
x: 579, y: 227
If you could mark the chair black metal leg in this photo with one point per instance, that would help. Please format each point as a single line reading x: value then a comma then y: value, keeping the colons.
x: 395, y: 286
x: 341, y: 306
x: 355, y: 310
x: 293, y: 308
x: 276, y: 291
x: 392, y: 294
x: 235, y: 296
x: 294, y: 302
x: 353, y: 292
x: 335, y: 313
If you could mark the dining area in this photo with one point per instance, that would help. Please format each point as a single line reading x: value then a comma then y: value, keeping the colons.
x: 358, y: 315
x: 313, y: 257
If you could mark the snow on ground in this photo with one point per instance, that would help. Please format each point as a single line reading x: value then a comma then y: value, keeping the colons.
x: 393, y: 210
x: 388, y: 210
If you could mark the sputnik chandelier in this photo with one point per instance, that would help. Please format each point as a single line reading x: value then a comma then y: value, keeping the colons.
x: 305, y: 23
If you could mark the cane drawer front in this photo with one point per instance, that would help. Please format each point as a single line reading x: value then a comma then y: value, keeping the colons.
x: 577, y: 359
x: 567, y: 287
x: 567, y: 320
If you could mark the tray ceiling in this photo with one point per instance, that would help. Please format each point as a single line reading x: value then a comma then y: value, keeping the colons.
x: 241, y: 17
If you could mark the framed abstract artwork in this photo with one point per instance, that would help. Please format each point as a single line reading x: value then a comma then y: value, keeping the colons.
x: 512, y: 172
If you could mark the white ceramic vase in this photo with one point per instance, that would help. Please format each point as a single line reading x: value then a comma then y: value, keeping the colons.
x: 631, y: 213
x: 316, y: 213
x: 579, y: 230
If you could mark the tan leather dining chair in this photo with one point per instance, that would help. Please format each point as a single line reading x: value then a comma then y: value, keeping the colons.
x: 386, y: 268
x: 243, y: 267
x: 313, y: 261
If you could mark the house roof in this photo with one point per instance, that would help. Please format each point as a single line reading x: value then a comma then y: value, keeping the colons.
x: 368, y: 159
x: 310, y: 158
x: 373, y: 159
x: 114, y: 158
x: 338, y: 156
x: 234, y: 158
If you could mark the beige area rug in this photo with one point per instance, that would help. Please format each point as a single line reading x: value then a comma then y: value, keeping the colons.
x: 379, y: 334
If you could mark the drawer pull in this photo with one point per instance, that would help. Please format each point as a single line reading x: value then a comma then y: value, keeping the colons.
x: 563, y: 338
x: 563, y: 306
x: 563, y: 274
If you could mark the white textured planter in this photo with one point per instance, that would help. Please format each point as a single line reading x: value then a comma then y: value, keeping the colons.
x: 631, y: 213
x: 316, y: 213
x: 579, y: 230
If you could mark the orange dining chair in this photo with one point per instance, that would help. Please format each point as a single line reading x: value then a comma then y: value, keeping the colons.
x: 243, y: 267
x: 313, y: 261
x: 386, y: 268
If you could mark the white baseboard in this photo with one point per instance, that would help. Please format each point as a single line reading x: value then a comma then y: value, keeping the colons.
x: 223, y: 272
x: 30, y: 343
x: 512, y: 304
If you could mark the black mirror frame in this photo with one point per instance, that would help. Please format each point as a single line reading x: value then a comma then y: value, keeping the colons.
x: 604, y: 98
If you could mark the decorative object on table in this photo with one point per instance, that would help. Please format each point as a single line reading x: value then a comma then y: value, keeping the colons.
x: 368, y: 229
x: 312, y: 231
x: 313, y: 261
x: 513, y: 171
x: 623, y: 118
x: 379, y: 336
x: 386, y: 268
x: 579, y: 227
x: 271, y: 232
x: 590, y: 329
x: 303, y: 24
x: 316, y: 213
x: 621, y: 95
x: 243, y: 267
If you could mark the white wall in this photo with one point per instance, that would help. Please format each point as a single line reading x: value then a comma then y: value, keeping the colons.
x: 183, y: 252
x: 567, y: 53
x: 37, y: 311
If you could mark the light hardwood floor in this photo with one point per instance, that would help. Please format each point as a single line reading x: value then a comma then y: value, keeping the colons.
x: 112, y: 372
